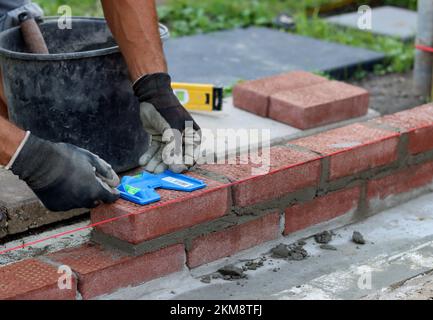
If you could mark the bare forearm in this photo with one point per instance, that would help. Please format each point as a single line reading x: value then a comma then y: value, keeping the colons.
x: 134, y: 24
x: 10, y: 139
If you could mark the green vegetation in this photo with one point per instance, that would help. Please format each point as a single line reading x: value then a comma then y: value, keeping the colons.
x: 186, y: 17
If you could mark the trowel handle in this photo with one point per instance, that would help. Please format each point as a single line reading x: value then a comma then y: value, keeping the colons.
x: 32, y: 35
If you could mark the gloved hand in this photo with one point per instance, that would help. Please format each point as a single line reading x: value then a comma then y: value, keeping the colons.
x: 175, y: 136
x: 65, y: 177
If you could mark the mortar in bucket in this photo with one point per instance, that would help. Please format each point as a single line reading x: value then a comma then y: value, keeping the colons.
x: 80, y: 93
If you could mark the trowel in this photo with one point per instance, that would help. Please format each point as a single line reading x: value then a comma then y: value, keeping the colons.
x: 141, y: 189
x: 32, y: 34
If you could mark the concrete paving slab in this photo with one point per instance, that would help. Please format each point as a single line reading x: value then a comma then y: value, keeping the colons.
x: 388, y: 21
x: 399, y: 246
x: 43, y: 248
x: 236, y: 119
x: 417, y: 288
x: 225, y: 57
x: 20, y: 208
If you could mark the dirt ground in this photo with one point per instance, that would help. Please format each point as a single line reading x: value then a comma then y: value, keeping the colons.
x: 391, y: 93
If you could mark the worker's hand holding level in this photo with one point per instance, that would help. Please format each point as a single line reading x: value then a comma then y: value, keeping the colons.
x: 175, y: 136
x: 64, y: 176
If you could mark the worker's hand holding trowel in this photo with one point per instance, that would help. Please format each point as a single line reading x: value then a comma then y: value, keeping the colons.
x: 175, y: 136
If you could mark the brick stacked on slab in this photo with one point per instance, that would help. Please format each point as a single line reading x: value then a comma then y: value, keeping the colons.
x: 301, y: 99
x: 318, y: 105
x: 254, y: 96
x: 347, y: 172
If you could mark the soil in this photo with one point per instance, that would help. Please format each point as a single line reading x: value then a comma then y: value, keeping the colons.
x: 390, y: 93
x: 358, y: 238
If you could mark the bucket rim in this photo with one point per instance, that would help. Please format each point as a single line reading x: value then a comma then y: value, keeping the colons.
x: 164, y: 32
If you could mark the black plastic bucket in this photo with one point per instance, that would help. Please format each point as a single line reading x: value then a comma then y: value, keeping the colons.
x: 80, y: 93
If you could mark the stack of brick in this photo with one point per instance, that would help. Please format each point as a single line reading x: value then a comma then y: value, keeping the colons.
x: 301, y: 99
x: 349, y: 172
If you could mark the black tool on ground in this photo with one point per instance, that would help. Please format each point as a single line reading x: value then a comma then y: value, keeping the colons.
x: 285, y: 21
x: 32, y: 34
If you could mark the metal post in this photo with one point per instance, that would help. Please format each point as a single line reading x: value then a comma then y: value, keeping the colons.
x: 424, y: 60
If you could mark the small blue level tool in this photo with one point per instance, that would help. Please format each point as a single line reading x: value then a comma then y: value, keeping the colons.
x: 140, y: 189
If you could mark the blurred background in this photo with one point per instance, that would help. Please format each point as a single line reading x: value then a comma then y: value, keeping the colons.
x: 187, y: 17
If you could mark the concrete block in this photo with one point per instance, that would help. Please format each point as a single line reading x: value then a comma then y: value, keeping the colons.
x: 400, y: 182
x: 254, y: 95
x: 224, y: 243
x: 176, y: 211
x: 22, y: 209
x: 417, y: 123
x: 33, y: 280
x: 321, y: 209
x: 288, y: 170
x: 387, y: 21
x: 225, y: 57
x: 102, y: 272
x: 353, y: 149
x: 318, y: 105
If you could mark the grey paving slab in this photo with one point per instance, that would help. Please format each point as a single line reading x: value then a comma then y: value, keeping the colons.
x: 20, y: 208
x: 236, y: 119
x: 225, y: 57
x: 389, y: 21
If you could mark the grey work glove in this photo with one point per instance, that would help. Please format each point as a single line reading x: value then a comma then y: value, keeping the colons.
x: 175, y: 136
x: 65, y: 177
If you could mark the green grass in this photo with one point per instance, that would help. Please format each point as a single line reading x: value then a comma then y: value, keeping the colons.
x: 399, y: 55
x: 187, y: 17
x: 79, y: 7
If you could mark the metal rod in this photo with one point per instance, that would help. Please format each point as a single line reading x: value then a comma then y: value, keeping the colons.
x: 424, y: 60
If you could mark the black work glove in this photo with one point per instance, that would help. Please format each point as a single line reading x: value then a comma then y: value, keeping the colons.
x: 175, y: 136
x: 65, y: 177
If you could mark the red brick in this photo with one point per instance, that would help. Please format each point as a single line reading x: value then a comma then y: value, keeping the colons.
x: 176, y: 211
x: 224, y: 243
x: 400, y: 182
x: 317, y: 105
x: 417, y: 123
x: 289, y: 170
x: 353, y: 148
x: 33, y: 280
x: 101, y: 271
x: 321, y: 209
x: 253, y: 96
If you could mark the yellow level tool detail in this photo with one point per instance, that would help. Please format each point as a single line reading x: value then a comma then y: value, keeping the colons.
x: 199, y: 97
